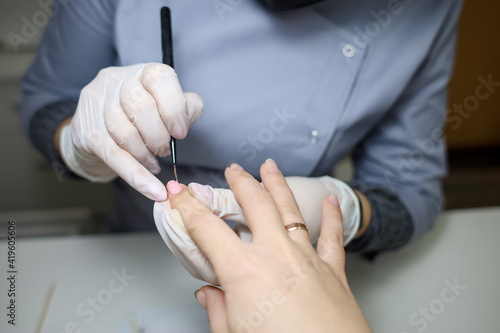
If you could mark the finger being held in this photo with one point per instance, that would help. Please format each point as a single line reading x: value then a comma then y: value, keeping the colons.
x: 214, y: 237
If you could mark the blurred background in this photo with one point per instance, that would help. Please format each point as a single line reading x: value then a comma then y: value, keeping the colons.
x: 44, y: 204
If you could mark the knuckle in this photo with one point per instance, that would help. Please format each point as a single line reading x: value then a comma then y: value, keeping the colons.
x: 85, y: 91
x: 153, y: 73
x: 290, y: 210
x: 127, y: 102
x: 157, y: 148
x: 260, y: 196
x: 193, y: 219
x: 140, y: 155
x: 104, y: 72
x: 332, y: 241
x: 122, y: 134
x: 109, y: 72
x: 321, y: 248
x: 330, y: 253
x: 336, y: 238
x: 135, y: 99
x: 109, y: 154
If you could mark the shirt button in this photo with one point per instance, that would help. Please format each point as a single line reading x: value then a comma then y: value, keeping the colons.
x: 349, y: 50
x: 314, y: 137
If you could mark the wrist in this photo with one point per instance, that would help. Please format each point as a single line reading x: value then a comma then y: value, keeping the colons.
x: 57, y: 134
x: 365, y: 214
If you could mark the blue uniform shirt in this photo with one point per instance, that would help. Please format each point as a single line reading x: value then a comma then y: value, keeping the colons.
x: 305, y: 87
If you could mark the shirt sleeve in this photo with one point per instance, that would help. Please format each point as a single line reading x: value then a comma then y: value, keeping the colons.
x: 404, y: 156
x: 390, y: 227
x: 77, y: 43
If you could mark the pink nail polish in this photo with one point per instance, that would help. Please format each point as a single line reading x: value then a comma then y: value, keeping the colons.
x: 271, y: 166
x: 173, y: 187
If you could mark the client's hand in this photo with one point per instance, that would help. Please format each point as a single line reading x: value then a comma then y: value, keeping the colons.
x: 277, y: 283
x: 308, y: 193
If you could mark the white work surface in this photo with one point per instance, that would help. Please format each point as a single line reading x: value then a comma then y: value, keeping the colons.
x: 392, y: 291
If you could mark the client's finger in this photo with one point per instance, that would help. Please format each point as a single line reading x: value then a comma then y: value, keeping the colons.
x: 213, y: 300
x: 276, y: 185
x: 331, y: 240
x: 214, y: 237
x: 261, y: 214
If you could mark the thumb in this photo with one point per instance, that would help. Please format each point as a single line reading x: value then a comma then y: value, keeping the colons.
x: 194, y: 107
x: 213, y: 300
x: 219, y: 201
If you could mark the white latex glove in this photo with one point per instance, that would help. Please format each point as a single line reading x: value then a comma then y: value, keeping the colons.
x: 309, y: 194
x: 124, y: 119
x: 174, y: 234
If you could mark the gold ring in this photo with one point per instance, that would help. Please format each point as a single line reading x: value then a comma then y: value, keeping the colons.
x: 296, y: 226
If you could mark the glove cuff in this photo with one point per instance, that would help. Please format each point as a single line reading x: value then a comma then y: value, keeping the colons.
x: 361, y: 219
x: 92, y: 169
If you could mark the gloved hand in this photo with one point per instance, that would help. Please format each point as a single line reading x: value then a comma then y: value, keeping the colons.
x: 309, y: 194
x: 124, y: 119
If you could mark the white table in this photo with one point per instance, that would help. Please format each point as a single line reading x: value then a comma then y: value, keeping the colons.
x: 394, y: 291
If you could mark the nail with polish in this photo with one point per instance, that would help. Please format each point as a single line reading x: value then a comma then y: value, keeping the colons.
x: 173, y: 187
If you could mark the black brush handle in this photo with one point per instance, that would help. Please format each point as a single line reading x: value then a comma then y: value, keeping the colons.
x: 166, y: 37
x: 168, y: 58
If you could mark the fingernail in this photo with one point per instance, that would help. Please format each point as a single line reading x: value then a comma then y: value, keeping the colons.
x: 173, y: 187
x: 155, y: 169
x: 235, y: 166
x: 201, y: 297
x: 155, y: 191
x: 179, y: 130
x: 333, y: 200
x: 271, y: 166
